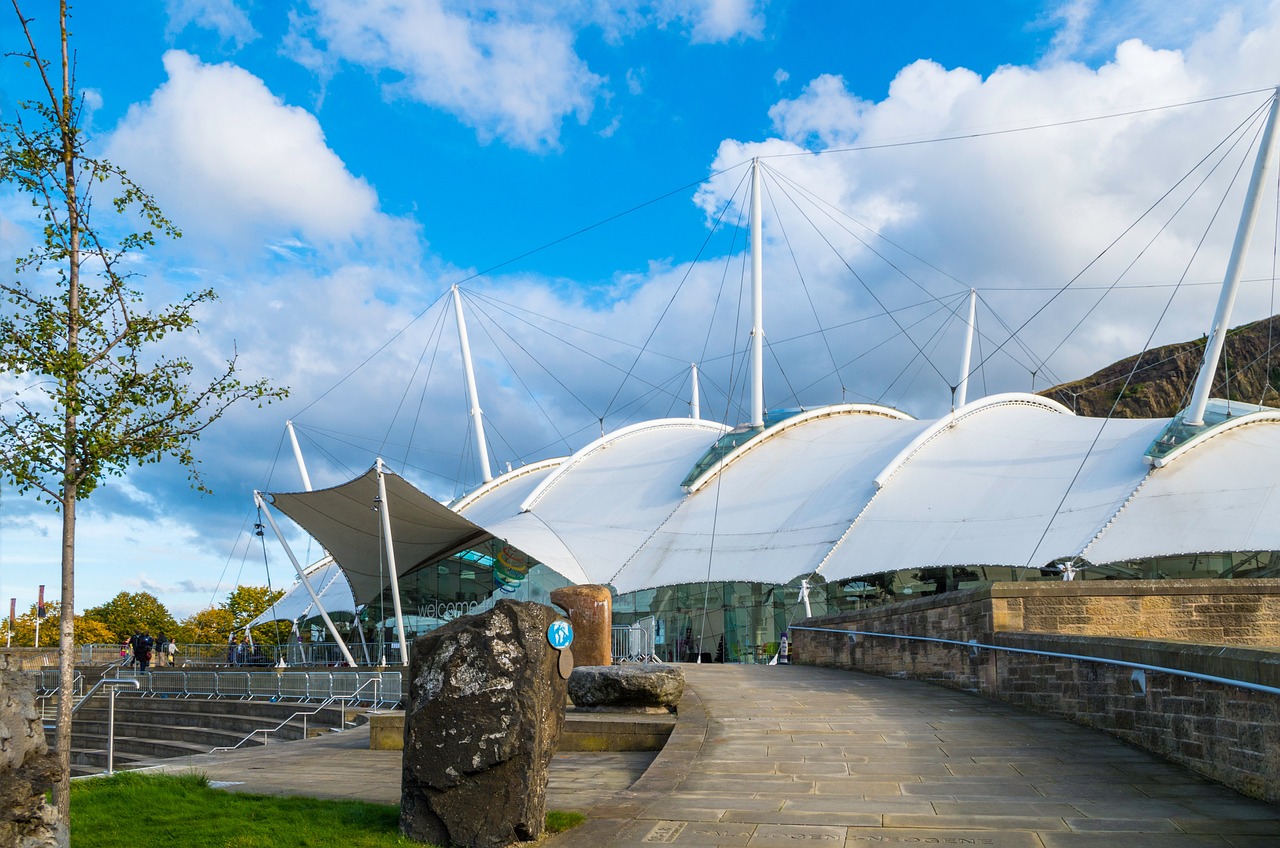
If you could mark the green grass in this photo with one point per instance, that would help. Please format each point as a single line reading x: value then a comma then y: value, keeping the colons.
x: 129, y: 810
x: 558, y: 821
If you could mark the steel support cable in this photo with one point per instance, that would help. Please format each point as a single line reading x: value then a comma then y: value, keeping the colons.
x: 1146, y: 345
x: 1238, y: 128
x: 327, y: 453
x: 266, y: 565
x: 884, y: 309
x: 933, y: 341
x: 795, y: 261
x: 688, y: 271
x: 937, y: 308
x: 1152, y: 240
x: 724, y: 279
x: 227, y: 563
x: 828, y: 208
x: 490, y: 269
x: 1028, y: 128
x: 1010, y: 335
x: 434, y: 334
x: 584, y: 351
x: 379, y: 349
x: 422, y: 398
x: 516, y: 373
x: 512, y: 309
x: 1271, y: 308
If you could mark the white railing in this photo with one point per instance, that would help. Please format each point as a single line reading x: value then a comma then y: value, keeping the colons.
x: 377, y: 688
x: 635, y: 642
x: 371, y: 683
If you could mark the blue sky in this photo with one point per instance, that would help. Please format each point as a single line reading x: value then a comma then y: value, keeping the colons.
x: 336, y: 166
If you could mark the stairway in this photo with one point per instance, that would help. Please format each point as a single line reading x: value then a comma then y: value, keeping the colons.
x: 151, y: 727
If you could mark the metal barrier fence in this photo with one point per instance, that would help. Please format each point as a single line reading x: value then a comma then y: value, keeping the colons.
x: 294, y: 653
x: 377, y: 688
x: 635, y: 642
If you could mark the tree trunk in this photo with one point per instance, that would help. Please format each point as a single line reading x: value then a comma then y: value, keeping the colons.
x: 66, y: 658
x: 70, y: 432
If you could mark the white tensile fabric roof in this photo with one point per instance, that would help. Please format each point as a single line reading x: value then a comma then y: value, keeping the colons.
x: 841, y: 491
x: 330, y: 585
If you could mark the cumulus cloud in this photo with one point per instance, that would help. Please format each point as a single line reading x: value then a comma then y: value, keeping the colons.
x: 223, y: 17
x: 509, y: 70
x: 222, y: 151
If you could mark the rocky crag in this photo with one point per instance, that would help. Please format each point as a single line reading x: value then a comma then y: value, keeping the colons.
x: 1161, y: 386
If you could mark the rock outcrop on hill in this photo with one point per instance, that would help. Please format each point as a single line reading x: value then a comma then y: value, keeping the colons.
x: 1161, y: 387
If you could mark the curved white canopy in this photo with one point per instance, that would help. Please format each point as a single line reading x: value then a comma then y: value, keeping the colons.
x: 1009, y: 480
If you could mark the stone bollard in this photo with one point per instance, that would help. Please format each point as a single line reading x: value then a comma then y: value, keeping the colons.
x: 590, y: 609
x: 484, y: 711
x: 28, y: 768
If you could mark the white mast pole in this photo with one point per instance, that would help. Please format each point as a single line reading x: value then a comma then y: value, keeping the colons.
x: 695, y: 406
x: 477, y: 420
x: 385, y: 512
x: 962, y: 392
x: 297, y: 456
x: 315, y: 599
x: 1230, y: 285
x: 757, y: 302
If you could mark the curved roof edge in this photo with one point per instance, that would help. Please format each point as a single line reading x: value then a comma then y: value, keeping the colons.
x: 606, y: 440
x: 794, y: 421
x: 952, y: 418
x: 501, y: 480
x: 1226, y: 426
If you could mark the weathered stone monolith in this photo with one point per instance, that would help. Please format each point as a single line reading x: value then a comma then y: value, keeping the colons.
x: 28, y: 768
x: 484, y: 711
x: 590, y: 609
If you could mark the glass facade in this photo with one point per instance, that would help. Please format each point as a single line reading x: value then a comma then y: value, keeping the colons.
x: 734, y: 622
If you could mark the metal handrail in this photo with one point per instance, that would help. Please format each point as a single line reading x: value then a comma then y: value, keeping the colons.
x: 114, y: 683
x: 975, y: 645
x: 304, y: 714
x: 251, y: 685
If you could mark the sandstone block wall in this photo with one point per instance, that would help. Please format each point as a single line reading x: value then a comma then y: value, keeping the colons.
x: 27, y: 768
x: 1226, y: 732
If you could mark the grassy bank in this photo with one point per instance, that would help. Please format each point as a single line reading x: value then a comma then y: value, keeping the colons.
x: 130, y: 810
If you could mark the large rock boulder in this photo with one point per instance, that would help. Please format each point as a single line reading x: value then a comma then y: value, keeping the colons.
x: 643, y: 687
x: 484, y: 712
x: 28, y: 768
x: 590, y: 609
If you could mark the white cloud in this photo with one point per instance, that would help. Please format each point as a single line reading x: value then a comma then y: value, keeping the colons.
x: 234, y: 165
x: 223, y: 17
x: 509, y: 70
x: 516, y: 77
x: 1030, y: 209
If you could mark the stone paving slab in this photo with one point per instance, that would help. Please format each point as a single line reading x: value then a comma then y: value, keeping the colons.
x: 805, y: 756
x: 790, y: 755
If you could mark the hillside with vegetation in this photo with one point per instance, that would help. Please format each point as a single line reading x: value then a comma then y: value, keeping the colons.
x: 1161, y: 386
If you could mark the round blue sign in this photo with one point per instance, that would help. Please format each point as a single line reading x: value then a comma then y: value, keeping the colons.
x: 560, y: 634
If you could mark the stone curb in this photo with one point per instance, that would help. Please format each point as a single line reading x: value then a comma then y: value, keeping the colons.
x: 668, y: 770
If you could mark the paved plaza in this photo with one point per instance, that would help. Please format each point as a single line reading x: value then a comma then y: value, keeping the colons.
x: 793, y: 755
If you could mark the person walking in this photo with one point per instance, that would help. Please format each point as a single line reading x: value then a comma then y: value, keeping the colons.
x: 171, y: 648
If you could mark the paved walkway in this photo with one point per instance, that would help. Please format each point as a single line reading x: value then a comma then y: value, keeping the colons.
x: 789, y: 755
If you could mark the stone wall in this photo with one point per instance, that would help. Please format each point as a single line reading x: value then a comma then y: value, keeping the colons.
x: 27, y: 768
x: 1226, y: 732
